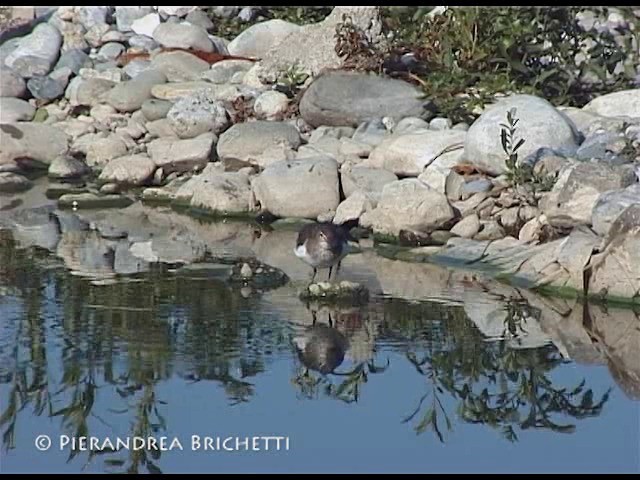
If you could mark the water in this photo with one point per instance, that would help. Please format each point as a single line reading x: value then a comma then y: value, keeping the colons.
x: 439, y: 372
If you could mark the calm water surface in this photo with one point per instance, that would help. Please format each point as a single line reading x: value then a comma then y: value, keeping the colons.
x: 450, y: 375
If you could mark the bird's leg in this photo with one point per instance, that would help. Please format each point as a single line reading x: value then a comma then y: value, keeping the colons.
x: 314, y: 314
x: 330, y: 319
x: 338, y: 267
x: 330, y: 270
x: 313, y: 277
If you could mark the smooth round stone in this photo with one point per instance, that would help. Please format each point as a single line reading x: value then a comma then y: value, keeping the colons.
x: 183, y: 35
x: 146, y: 25
x: 179, y: 66
x: 87, y: 91
x: 11, y: 84
x: 12, y: 183
x: 37, y: 53
x: 67, y: 167
x: 15, y: 110
x: 154, y: 109
x: 91, y: 16
x: 142, y: 42
x: 74, y: 60
x: 50, y: 87
x: 125, y: 16
x: 129, y: 96
x: 199, y: 18
x: 110, y: 51
x: 136, y: 67
x: 114, y: 36
x: 223, y: 72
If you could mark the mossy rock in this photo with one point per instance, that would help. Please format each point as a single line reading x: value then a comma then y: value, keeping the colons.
x: 339, y: 292
x: 93, y: 200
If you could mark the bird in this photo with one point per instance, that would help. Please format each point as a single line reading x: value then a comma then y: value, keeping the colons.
x: 322, y: 245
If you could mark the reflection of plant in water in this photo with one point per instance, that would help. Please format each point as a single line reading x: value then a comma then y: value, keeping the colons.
x: 500, y: 387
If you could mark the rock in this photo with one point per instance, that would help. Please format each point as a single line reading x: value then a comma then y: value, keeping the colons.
x: 50, y: 87
x: 153, y: 109
x: 37, y: 52
x: 130, y: 95
x: 94, y: 35
x: 76, y: 128
x: 130, y: 170
x: 74, y: 60
x: 312, y: 48
x: 103, y: 150
x: 175, y: 91
x: 146, y: 25
x: 12, y: 183
x: 223, y: 71
x: 540, y: 125
x: 410, y: 125
x: 179, y: 66
x: 344, y: 291
x: 125, y: 16
x: 532, y: 230
x: 227, y: 193
x: 616, y: 271
x: 352, y: 208
x: 136, y: 67
x: 440, y: 123
x: 197, y: 114
x: 87, y: 92
x: 176, y: 11
x: 174, y: 155
x: 350, y: 98
x: 183, y: 35
x: 476, y: 186
x: 31, y: 142
x: 299, y: 188
x: 225, y: 12
x: 410, y: 205
x: 411, y: 154
x: 625, y: 103
x: 603, y: 146
x: 160, y: 128
x: 66, y: 167
x: 11, y: 84
x: 367, y: 180
x: 15, y: 110
x: 93, y: 200
x: 578, y: 188
x: 91, y: 16
x: 610, y: 205
x: 490, y: 230
x: 271, y: 105
x: 468, y: 227
x: 247, y: 141
x: 258, y: 39
x: 73, y: 36
x: 199, y: 18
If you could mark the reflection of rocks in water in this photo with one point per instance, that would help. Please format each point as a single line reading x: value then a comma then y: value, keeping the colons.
x: 35, y: 227
x: 321, y: 348
x: 618, y: 333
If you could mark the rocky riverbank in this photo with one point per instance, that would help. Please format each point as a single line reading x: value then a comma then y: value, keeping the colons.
x: 288, y: 133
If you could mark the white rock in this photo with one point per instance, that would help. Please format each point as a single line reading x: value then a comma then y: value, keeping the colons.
x: 146, y: 25
x: 128, y: 170
x: 270, y: 105
x: 174, y: 155
x: 258, y: 39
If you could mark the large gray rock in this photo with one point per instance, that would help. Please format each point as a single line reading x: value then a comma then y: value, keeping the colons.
x: 350, y: 98
x: 247, y: 141
x: 66, y: 167
x: 197, y: 114
x: 129, y: 96
x: 303, y: 188
x: 51, y: 86
x: 125, y: 16
x: 88, y: 91
x: 411, y: 154
x: 74, y: 60
x: 227, y: 193
x: 12, y: 183
x: 540, y: 125
x: 258, y: 39
x: 100, y: 151
x: 371, y: 181
x: 15, y: 110
x: 11, y: 84
x: 411, y: 205
x: 183, y: 35
x: 625, y: 103
x: 616, y: 271
x: 91, y: 16
x: 153, y: 109
x: 146, y: 25
x: 313, y: 47
x: 353, y: 207
x: 610, y: 205
x: 578, y: 188
x: 128, y: 170
x: 26, y: 142
x: 182, y: 155
x: 223, y: 72
x: 179, y: 66
x: 37, y: 53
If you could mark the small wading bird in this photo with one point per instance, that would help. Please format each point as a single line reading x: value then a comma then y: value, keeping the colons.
x: 323, y: 245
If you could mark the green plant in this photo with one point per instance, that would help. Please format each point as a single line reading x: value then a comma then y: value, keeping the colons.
x: 291, y: 80
x: 518, y: 173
